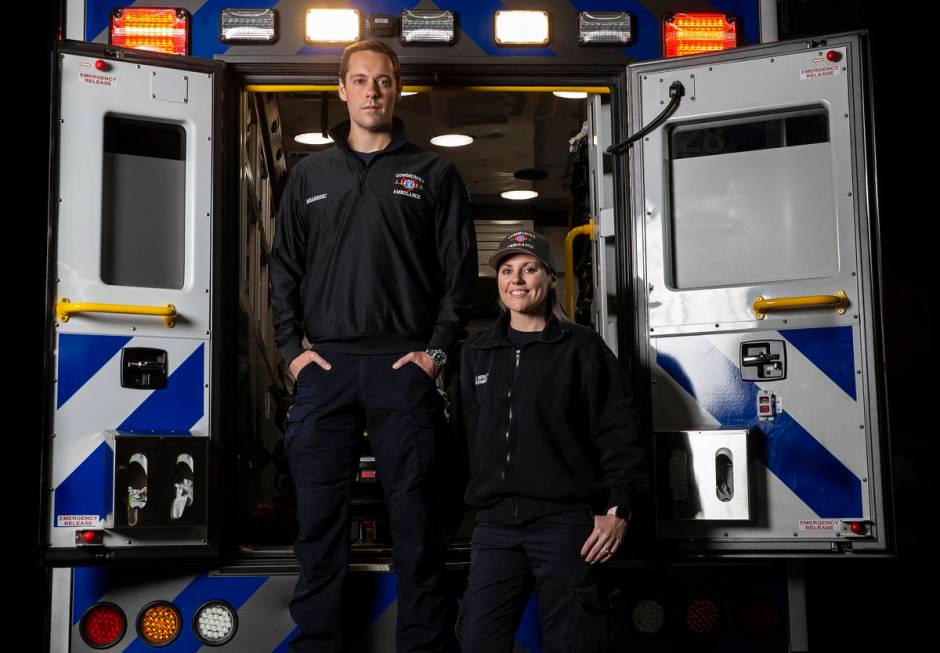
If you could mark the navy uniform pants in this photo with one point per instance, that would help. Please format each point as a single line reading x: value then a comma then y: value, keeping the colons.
x: 508, y: 561
x: 330, y: 412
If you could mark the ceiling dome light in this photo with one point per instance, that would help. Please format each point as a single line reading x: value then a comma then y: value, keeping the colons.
x: 570, y: 95
x: 313, y: 138
x: 407, y: 93
x: 451, y: 140
x: 519, y: 194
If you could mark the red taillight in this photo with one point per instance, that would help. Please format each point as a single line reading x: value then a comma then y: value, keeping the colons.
x: 157, y: 30
x: 103, y: 625
x: 699, y: 32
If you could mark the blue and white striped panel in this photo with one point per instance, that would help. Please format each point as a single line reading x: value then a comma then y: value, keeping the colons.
x: 815, y: 451
x: 89, y: 401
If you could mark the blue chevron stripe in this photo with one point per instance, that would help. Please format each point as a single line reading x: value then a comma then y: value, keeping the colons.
x: 177, y: 407
x: 88, y: 490
x: 89, y: 584
x: 80, y: 357
x: 831, y: 349
x: 787, y: 449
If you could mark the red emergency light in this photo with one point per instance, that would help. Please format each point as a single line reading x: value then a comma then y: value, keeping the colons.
x: 155, y: 30
x: 695, y: 33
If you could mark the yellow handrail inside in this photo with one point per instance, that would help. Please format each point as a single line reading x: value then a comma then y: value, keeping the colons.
x: 584, y: 230
x: 838, y: 301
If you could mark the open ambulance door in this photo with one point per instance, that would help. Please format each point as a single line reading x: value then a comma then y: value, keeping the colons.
x: 133, y: 307
x: 754, y: 250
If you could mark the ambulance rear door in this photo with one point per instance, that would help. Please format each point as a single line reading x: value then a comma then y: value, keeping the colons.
x: 754, y: 241
x: 132, y: 303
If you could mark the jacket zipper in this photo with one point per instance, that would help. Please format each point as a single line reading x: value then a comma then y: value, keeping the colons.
x: 515, y: 369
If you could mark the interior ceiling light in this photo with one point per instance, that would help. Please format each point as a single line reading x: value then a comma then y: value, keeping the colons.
x: 570, y: 95
x: 519, y: 195
x: 407, y: 93
x: 313, y: 138
x: 451, y: 140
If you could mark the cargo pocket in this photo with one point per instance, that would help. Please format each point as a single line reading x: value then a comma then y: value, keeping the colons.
x: 594, y: 630
x: 296, y: 415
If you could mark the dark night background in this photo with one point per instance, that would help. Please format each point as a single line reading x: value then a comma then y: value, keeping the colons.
x: 852, y: 603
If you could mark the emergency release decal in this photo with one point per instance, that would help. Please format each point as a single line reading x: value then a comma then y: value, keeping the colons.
x: 80, y: 357
x: 89, y: 489
x: 785, y: 447
x: 178, y: 407
x: 831, y: 350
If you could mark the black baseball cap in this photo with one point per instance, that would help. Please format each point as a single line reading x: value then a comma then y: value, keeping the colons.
x: 524, y: 242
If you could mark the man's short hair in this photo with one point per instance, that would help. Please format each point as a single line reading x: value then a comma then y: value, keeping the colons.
x: 374, y: 46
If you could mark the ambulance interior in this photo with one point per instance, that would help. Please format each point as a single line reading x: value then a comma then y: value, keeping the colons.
x: 531, y: 141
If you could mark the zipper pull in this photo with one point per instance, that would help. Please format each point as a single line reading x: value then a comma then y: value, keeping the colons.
x: 360, y: 182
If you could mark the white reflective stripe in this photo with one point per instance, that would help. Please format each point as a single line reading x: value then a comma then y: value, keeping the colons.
x: 686, y: 415
x: 814, y: 401
x: 101, y: 404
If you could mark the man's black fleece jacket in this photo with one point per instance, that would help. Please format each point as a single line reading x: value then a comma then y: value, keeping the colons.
x: 375, y: 258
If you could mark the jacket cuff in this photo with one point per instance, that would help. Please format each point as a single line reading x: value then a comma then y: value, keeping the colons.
x: 291, y: 350
x: 619, y: 497
x: 443, y: 338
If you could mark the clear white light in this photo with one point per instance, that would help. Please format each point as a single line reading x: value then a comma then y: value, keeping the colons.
x: 332, y: 25
x: 407, y: 93
x: 427, y: 26
x: 522, y: 27
x: 519, y: 194
x: 215, y: 622
x: 313, y: 138
x: 451, y: 140
x: 247, y: 25
x: 570, y: 95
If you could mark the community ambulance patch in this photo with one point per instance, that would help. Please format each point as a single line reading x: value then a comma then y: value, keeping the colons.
x: 409, y: 185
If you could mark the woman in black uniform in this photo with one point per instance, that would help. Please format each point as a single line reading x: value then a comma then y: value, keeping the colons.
x: 554, y: 461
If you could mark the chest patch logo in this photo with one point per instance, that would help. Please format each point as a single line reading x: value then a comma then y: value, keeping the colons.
x: 316, y: 198
x: 408, y: 185
x: 481, y: 379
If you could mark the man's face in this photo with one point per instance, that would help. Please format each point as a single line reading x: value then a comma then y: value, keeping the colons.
x: 369, y: 90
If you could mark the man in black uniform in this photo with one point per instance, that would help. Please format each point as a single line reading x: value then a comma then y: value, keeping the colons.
x: 374, y: 261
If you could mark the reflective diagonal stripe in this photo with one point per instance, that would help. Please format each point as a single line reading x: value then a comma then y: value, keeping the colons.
x: 176, y: 408
x: 79, y: 359
x: 787, y: 449
x: 89, y: 490
x: 831, y: 350
x: 89, y: 584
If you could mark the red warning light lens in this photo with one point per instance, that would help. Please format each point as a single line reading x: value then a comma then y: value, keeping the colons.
x: 103, y: 625
x: 832, y: 55
x: 694, y: 33
x: 367, y: 473
x: 857, y: 527
x: 88, y: 536
x: 101, y: 65
x: 156, y: 30
x: 701, y: 616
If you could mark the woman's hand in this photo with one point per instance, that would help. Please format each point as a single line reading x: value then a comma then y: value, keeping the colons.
x: 605, y: 539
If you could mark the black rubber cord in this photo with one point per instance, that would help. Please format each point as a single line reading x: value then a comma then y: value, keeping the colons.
x: 676, y: 91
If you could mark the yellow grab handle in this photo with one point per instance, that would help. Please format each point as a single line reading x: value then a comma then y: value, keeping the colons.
x: 839, y: 301
x: 64, y: 309
x: 584, y: 230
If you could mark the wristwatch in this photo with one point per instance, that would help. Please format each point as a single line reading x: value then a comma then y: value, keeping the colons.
x: 438, y: 356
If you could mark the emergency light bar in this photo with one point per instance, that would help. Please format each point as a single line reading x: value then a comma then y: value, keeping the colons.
x: 689, y: 33
x: 248, y: 26
x: 154, y: 30
x: 604, y: 27
x: 521, y: 27
x: 427, y: 27
x: 332, y: 25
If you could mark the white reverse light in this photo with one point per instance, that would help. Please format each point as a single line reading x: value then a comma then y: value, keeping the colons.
x: 522, y: 28
x: 215, y: 623
x: 519, y: 194
x: 451, y: 140
x: 332, y: 25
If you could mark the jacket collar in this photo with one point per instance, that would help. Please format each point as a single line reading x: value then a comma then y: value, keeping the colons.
x: 340, y: 135
x: 554, y: 331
